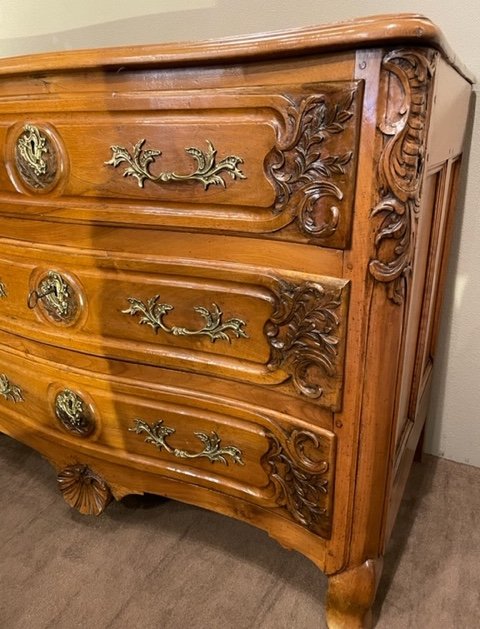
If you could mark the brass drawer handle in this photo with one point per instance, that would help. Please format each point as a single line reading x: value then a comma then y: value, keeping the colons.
x: 57, y: 296
x: 3, y: 290
x: 152, y: 314
x: 9, y: 390
x: 208, y: 170
x: 73, y: 413
x: 212, y: 450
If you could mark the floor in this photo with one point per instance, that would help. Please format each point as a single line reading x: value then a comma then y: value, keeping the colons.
x: 149, y: 563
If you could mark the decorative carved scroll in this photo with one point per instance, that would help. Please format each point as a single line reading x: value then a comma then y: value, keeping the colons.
x: 300, y: 465
x: 401, y: 168
x: 304, y: 334
x: 308, y: 172
x: 83, y: 489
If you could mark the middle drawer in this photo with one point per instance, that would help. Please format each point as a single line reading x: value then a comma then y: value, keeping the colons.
x: 269, y: 328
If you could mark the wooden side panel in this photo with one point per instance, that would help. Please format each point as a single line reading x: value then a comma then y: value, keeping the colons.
x: 452, y: 94
x: 431, y: 202
x: 452, y: 97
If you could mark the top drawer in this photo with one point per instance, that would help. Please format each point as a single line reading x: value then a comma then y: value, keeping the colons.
x: 277, y: 161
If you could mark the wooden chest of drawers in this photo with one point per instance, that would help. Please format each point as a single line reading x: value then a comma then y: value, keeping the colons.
x: 221, y: 267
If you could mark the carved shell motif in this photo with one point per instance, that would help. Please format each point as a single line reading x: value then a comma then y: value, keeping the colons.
x: 401, y: 168
x: 83, y: 489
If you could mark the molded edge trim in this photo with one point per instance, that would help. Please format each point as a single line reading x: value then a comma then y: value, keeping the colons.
x: 373, y: 31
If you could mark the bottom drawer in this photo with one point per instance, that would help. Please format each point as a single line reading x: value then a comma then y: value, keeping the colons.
x: 268, y: 458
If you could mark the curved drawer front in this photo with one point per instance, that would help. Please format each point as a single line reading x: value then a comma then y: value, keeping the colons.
x: 273, y: 160
x: 225, y: 321
x: 258, y: 455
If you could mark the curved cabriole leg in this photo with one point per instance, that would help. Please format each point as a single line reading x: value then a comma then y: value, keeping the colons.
x: 83, y: 489
x: 351, y: 594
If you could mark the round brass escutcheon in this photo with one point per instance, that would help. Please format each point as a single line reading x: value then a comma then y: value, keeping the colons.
x: 57, y: 297
x: 74, y: 413
x: 36, y: 158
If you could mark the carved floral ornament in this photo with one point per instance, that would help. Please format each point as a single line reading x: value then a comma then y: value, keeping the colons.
x: 401, y: 168
x: 300, y: 466
x: 305, y: 334
x: 309, y: 174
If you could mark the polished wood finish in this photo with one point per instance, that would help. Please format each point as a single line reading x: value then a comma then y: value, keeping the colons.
x: 351, y: 594
x: 221, y: 269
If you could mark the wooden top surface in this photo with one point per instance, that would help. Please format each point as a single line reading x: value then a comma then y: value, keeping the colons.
x: 374, y: 31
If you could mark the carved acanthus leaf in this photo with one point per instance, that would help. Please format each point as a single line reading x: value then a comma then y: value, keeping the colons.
x: 401, y: 169
x: 300, y: 467
x: 307, y: 176
x: 304, y: 336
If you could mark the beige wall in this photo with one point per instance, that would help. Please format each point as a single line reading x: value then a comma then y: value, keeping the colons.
x: 31, y: 26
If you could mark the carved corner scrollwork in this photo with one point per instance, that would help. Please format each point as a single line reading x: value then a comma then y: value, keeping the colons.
x: 312, y: 165
x: 404, y: 128
x: 83, y: 489
x: 301, y: 468
x: 306, y: 336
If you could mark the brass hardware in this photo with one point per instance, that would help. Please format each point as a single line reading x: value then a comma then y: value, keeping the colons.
x: 32, y: 146
x: 57, y: 297
x: 73, y: 413
x: 3, y: 290
x: 38, y: 157
x: 158, y: 433
x: 208, y: 171
x: 152, y: 314
x: 10, y: 391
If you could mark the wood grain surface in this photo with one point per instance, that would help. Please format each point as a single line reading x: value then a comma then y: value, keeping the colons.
x: 221, y: 269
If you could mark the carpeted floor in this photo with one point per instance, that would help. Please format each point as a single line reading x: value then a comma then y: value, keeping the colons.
x: 152, y: 564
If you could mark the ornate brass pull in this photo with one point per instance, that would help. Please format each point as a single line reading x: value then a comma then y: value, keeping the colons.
x: 32, y: 146
x: 208, y: 171
x: 3, y: 290
x: 57, y: 296
x: 73, y: 413
x: 212, y: 450
x: 152, y: 314
x: 10, y: 391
